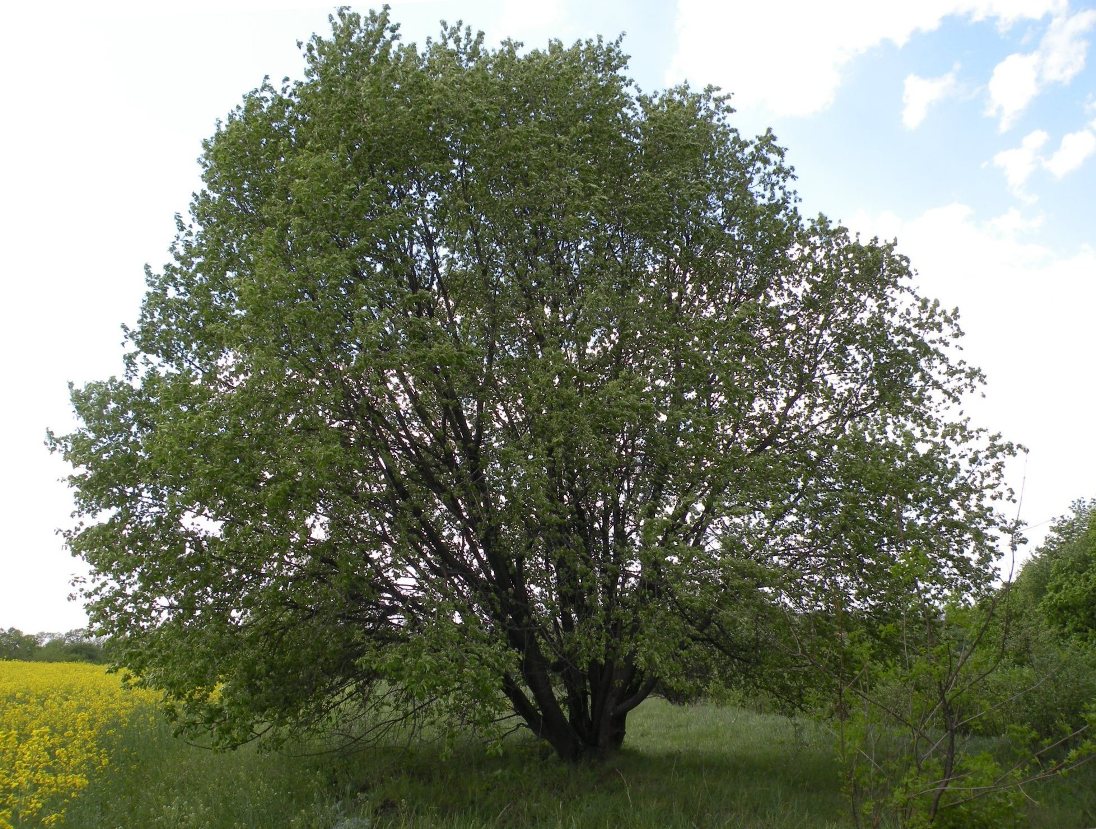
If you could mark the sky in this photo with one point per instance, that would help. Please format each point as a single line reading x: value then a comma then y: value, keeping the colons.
x: 965, y: 129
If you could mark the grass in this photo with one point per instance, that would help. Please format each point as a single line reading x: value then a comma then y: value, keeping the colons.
x: 698, y: 766
x: 695, y: 766
x: 158, y: 780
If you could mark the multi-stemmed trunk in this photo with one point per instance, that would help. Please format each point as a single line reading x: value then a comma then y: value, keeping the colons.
x: 582, y: 714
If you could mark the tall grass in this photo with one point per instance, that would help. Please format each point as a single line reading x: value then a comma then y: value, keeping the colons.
x: 698, y: 766
x: 158, y: 780
x: 695, y: 766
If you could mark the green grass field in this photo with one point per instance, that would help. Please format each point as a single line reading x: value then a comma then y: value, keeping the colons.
x: 688, y: 766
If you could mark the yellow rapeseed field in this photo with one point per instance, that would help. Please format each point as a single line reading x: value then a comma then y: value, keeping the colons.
x: 55, y: 719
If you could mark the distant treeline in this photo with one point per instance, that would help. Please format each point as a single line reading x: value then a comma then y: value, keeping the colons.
x: 74, y: 646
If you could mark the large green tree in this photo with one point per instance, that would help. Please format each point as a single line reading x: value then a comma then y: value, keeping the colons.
x: 480, y: 378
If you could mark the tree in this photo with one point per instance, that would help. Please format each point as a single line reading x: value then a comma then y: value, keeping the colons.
x: 74, y: 646
x: 1061, y: 577
x: 481, y: 379
x: 14, y: 644
x: 916, y: 706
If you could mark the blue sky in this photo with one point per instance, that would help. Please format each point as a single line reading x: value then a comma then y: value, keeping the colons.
x: 966, y: 129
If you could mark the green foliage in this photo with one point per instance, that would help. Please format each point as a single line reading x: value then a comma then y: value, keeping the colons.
x: 950, y: 722
x: 1047, y: 654
x: 484, y: 380
x: 1048, y: 678
x: 1061, y: 577
x: 74, y: 646
x: 14, y: 644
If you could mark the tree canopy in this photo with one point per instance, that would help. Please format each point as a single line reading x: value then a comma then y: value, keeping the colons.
x: 1060, y: 579
x: 481, y: 380
x: 74, y: 646
x: 14, y: 644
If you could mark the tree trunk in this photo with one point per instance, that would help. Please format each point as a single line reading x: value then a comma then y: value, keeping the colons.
x: 571, y: 747
x: 592, y: 730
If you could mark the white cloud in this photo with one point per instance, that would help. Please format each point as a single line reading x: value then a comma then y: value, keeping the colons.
x: 1071, y: 153
x: 1025, y: 309
x: 786, y: 56
x: 1012, y: 222
x: 919, y: 94
x: 1013, y: 85
x: 1020, y: 162
x: 1059, y: 57
x: 1063, y: 48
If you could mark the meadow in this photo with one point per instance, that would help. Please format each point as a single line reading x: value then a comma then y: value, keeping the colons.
x: 79, y: 751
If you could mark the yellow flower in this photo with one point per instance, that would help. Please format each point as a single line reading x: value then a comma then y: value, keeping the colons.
x: 53, y: 717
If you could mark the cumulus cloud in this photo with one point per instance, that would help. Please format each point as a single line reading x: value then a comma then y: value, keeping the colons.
x: 1012, y: 222
x: 919, y: 94
x: 1020, y: 162
x: 1013, y: 85
x: 786, y: 56
x: 1059, y: 57
x: 1071, y: 153
x: 1063, y: 47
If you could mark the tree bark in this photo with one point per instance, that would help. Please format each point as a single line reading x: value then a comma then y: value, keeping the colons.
x: 593, y: 722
